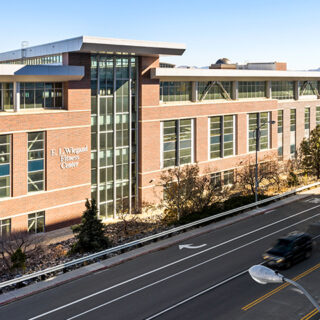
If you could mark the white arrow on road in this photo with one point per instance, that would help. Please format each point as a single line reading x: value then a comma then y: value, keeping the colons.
x: 190, y: 246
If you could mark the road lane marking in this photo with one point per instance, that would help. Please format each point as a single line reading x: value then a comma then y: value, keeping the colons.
x: 183, y: 259
x: 185, y: 270
x: 190, y: 246
x: 197, y: 295
x: 270, y: 293
x: 310, y: 314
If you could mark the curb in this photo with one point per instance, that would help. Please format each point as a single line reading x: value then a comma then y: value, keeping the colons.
x: 61, y: 279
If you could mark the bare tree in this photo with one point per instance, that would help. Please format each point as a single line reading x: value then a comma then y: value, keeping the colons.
x: 309, y: 153
x: 269, y: 174
x: 185, y: 191
x: 20, y: 241
x: 123, y: 213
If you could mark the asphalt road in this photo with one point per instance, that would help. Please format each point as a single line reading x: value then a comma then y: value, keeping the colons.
x: 210, y: 282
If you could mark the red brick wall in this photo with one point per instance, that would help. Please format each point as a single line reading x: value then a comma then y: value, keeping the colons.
x: 149, y: 89
x: 58, y: 177
x: 281, y: 66
x: 19, y: 165
x: 60, y: 201
x: 66, y: 189
x: 300, y: 106
x: 150, y: 119
x: 42, y: 120
x: 77, y: 94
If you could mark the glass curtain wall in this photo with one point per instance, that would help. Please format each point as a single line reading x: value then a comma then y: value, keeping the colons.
x: 40, y: 95
x: 282, y: 90
x: 113, y: 133
x: 252, y: 89
x: 175, y: 91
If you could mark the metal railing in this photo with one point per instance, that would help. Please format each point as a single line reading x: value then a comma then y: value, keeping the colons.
x: 106, y: 252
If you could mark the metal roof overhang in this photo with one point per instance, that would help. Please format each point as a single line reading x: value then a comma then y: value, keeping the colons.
x: 176, y: 74
x: 39, y: 73
x: 97, y: 45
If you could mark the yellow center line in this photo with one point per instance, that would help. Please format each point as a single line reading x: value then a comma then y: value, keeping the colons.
x: 267, y: 295
x: 310, y: 314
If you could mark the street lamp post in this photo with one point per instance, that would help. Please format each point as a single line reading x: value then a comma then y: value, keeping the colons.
x: 264, y: 275
x: 257, y: 133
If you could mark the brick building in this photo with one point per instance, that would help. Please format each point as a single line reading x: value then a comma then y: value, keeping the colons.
x: 94, y: 117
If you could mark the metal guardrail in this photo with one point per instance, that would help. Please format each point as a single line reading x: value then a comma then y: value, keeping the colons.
x: 148, y: 239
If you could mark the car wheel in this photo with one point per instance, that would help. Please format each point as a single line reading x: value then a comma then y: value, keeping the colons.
x: 288, y: 264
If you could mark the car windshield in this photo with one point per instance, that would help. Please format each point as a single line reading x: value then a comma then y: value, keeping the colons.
x: 282, y: 245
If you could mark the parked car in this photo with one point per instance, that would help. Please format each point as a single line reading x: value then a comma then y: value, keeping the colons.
x: 288, y: 250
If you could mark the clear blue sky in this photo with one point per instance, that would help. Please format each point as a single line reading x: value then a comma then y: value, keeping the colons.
x: 241, y: 30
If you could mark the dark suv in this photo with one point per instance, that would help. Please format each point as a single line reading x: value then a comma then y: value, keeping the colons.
x: 288, y: 250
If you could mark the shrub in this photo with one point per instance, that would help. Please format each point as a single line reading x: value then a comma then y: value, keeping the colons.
x: 18, y: 260
x: 89, y: 233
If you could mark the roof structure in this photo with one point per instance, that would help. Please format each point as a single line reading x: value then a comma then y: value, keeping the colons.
x: 96, y: 45
x: 37, y: 73
x: 179, y: 74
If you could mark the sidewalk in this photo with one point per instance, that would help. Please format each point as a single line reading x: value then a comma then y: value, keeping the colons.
x: 121, y: 258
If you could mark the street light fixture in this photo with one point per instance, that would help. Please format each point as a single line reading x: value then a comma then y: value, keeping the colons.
x: 257, y: 133
x: 264, y: 275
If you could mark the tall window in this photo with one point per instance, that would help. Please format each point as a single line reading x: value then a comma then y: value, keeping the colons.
x: 259, y: 120
x: 5, y: 162
x: 114, y: 109
x: 6, y: 96
x: 40, y: 95
x: 317, y: 116
x: 175, y: 91
x: 36, y: 222
x: 307, y: 122
x: 308, y: 88
x: 177, y: 146
x: 216, y: 179
x: 282, y: 90
x: 214, y: 90
x: 222, y: 136
x: 228, y: 177
x: 5, y: 227
x: 292, y: 133
x: 252, y: 89
x: 280, y: 133
x: 36, y: 174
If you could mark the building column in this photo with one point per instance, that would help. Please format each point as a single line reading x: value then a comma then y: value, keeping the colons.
x: 16, y: 96
x: 194, y: 94
x: 235, y: 91
x: 296, y: 90
x: 268, y: 90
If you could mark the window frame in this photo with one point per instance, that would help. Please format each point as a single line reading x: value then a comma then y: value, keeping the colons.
x: 258, y: 123
x: 4, y: 223
x: 43, y: 159
x: 222, y: 136
x: 37, y: 216
x: 177, y: 141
